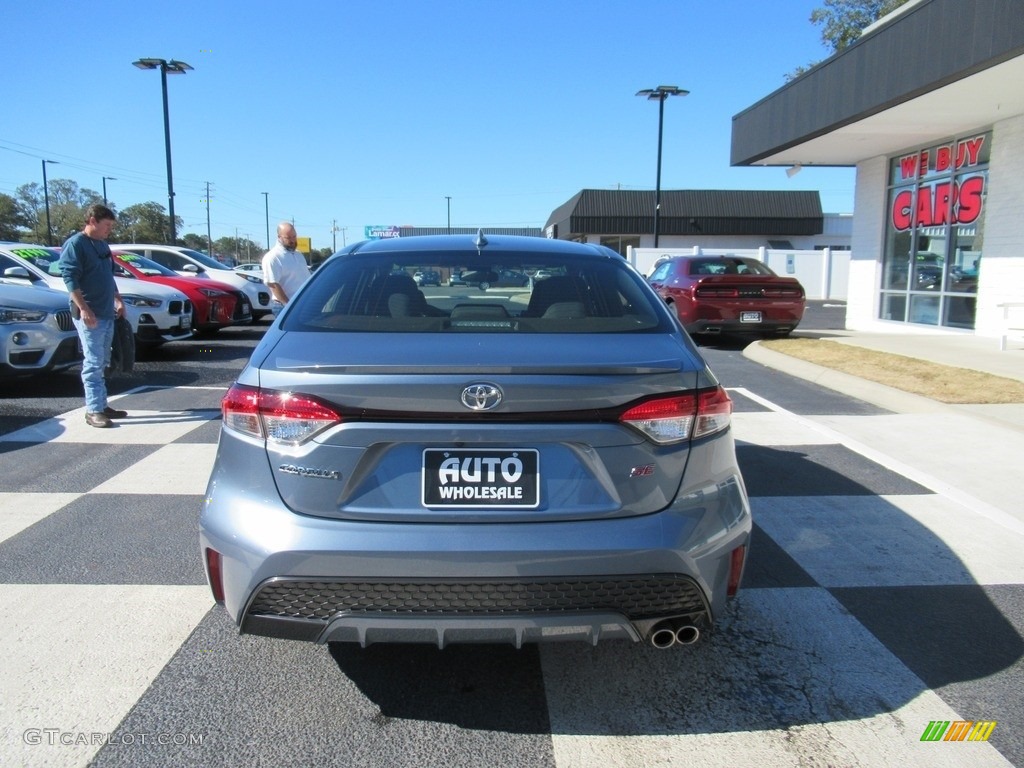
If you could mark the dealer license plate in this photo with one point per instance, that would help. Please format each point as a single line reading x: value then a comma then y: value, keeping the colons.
x: 750, y: 317
x: 185, y: 321
x: 481, y: 478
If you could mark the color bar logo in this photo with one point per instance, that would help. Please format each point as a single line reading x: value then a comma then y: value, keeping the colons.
x: 958, y: 730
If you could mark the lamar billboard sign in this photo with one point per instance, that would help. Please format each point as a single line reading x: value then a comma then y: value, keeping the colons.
x: 380, y: 232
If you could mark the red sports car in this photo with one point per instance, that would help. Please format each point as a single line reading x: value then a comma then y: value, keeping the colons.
x: 730, y: 294
x: 214, y: 305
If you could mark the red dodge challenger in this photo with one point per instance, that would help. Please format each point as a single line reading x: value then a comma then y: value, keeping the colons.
x: 729, y: 294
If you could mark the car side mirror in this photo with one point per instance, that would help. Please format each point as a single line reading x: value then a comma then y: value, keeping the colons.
x: 19, y: 273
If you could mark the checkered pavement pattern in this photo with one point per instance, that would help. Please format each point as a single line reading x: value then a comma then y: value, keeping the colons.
x: 848, y: 639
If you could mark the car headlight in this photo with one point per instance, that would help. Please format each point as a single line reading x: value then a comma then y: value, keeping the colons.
x: 252, y: 279
x: 213, y: 293
x: 18, y: 315
x: 142, y: 301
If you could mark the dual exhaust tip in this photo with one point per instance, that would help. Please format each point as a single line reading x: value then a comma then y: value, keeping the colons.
x: 671, y: 632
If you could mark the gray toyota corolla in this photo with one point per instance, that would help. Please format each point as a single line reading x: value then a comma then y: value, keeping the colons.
x: 443, y: 464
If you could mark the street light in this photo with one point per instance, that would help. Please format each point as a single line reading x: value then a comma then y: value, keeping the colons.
x: 46, y: 197
x: 105, y: 180
x: 172, y: 67
x: 659, y: 95
x: 448, y: 198
x: 266, y: 207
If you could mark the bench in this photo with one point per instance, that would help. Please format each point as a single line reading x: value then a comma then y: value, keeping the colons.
x: 1015, y: 328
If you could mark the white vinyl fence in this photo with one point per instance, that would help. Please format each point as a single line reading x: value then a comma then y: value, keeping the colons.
x: 824, y: 273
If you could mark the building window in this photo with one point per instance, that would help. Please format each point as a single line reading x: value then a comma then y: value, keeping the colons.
x: 934, y: 233
x: 619, y: 244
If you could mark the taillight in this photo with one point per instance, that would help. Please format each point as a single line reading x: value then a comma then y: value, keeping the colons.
x: 278, y: 417
x: 673, y: 419
x: 786, y: 293
x: 717, y: 292
x: 714, y: 412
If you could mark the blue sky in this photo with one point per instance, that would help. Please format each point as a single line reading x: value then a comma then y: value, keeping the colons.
x: 371, y: 113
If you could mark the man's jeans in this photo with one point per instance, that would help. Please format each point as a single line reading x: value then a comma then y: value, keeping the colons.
x: 96, y: 343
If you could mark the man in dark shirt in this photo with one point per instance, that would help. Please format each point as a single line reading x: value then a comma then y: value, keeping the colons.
x: 88, y: 272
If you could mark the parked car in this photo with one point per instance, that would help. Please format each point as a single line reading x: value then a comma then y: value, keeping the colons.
x: 36, y: 331
x: 487, y: 278
x: 187, y: 262
x: 214, y: 305
x: 427, y: 277
x: 728, y: 294
x: 256, y: 270
x: 157, y: 313
x: 544, y: 466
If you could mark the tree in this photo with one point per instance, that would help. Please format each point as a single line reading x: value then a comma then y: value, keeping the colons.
x: 241, y: 249
x: 842, y: 22
x: 13, y: 221
x: 195, y: 242
x: 143, y: 223
x: 68, y: 203
x: 319, y: 256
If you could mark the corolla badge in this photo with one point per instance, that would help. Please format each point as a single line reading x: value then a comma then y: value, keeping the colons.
x: 481, y: 396
x: 325, y: 474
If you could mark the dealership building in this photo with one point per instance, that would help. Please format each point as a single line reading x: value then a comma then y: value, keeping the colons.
x: 928, y: 106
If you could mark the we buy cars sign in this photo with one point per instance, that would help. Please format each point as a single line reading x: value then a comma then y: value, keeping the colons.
x: 944, y: 201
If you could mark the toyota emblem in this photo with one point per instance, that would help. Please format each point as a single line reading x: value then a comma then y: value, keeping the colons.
x: 481, y: 397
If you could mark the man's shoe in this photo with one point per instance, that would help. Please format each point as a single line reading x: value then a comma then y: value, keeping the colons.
x: 100, y: 420
x: 113, y: 413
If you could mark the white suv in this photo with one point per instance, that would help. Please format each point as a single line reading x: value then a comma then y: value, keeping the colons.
x: 186, y: 261
x: 36, y: 332
x: 158, y: 313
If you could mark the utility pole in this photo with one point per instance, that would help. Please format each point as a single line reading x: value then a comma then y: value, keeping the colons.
x: 266, y: 208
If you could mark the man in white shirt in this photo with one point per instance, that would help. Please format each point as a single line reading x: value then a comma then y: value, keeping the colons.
x: 284, y: 268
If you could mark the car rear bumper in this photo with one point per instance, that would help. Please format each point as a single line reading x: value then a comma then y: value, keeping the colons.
x: 771, y: 319
x: 320, y: 580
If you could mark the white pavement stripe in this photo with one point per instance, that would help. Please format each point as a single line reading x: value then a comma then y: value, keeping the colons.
x: 179, y: 468
x: 759, y: 692
x: 140, y: 428
x: 887, y: 458
x: 83, y: 667
x: 982, y: 459
x: 775, y: 429
x: 890, y: 541
x: 18, y: 511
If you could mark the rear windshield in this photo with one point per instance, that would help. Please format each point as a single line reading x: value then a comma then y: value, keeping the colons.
x: 497, y: 292
x: 729, y: 266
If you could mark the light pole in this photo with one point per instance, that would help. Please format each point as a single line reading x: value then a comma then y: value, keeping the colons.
x: 448, y: 198
x: 659, y: 95
x: 209, y: 237
x: 105, y: 180
x: 172, y: 67
x: 266, y: 208
x: 46, y: 198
